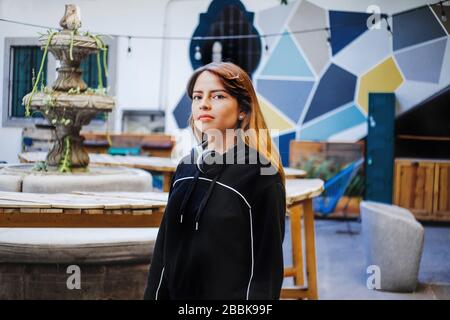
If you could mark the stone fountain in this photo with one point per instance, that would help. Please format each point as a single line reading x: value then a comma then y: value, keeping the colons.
x: 69, y: 105
x: 37, y: 263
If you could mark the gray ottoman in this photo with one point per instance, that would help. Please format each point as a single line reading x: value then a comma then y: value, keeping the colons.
x: 393, y: 241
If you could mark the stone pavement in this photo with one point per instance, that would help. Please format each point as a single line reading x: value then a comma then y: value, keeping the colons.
x: 341, y: 263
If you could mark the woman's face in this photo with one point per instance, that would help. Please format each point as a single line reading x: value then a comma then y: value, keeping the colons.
x: 212, y: 107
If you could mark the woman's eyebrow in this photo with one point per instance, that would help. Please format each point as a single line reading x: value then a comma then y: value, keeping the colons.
x: 213, y: 91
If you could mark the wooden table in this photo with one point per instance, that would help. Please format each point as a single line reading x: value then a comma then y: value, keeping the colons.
x: 294, y: 173
x: 299, y: 195
x: 164, y: 166
x: 82, y: 209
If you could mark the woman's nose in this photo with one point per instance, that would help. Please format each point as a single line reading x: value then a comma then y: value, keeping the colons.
x: 205, y: 104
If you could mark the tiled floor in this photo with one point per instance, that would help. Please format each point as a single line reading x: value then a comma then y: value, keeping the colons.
x: 341, y: 266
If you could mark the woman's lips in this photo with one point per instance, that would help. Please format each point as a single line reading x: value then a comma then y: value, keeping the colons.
x: 205, y: 118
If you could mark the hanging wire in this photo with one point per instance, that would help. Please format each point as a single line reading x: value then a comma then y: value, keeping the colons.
x: 242, y: 36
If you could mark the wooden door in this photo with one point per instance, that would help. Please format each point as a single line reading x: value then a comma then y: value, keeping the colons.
x: 441, y: 203
x: 414, y: 186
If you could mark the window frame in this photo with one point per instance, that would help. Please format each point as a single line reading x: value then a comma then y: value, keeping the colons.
x: 8, y: 63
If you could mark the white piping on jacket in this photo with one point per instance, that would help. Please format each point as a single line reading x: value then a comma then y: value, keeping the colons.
x: 160, y: 281
x: 251, y: 222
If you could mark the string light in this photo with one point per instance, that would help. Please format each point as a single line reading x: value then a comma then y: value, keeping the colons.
x: 198, y: 54
x: 129, y: 45
x: 443, y: 14
x: 328, y: 30
x: 388, y: 26
x: 246, y: 36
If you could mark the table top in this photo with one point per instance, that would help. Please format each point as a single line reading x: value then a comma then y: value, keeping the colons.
x: 296, y: 190
x: 140, y: 162
x: 83, y: 200
x: 294, y: 173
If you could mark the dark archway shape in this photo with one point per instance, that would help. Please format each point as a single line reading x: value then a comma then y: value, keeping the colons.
x: 227, y: 18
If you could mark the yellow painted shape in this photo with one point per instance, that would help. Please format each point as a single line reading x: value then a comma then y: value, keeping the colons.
x: 385, y: 77
x: 274, y: 120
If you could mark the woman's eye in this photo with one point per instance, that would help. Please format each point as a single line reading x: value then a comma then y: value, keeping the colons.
x: 197, y: 97
x: 219, y: 96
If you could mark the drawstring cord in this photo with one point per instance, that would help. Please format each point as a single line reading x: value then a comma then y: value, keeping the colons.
x: 188, y: 195
x: 205, y: 200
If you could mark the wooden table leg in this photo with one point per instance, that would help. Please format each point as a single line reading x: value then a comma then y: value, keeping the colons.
x: 167, y: 177
x: 311, y: 262
x: 310, y: 291
x: 297, y: 244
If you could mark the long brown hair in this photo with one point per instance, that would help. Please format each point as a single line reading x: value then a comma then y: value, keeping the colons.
x: 238, y: 84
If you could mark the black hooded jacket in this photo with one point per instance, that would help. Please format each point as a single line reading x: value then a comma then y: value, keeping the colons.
x: 222, y: 231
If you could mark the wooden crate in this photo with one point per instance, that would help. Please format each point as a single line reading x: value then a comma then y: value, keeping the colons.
x: 423, y: 186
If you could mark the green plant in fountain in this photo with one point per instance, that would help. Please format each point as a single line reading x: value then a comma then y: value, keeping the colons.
x: 49, y: 40
x: 40, y: 166
x: 65, y: 165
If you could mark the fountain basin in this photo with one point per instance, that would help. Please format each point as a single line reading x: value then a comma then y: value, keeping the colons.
x: 23, y: 178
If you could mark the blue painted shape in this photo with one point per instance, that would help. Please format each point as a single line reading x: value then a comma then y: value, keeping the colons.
x: 423, y: 63
x: 288, y: 96
x: 286, y: 60
x: 283, y: 142
x: 346, y: 27
x: 182, y: 111
x: 414, y: 27
x: 333, y: 124
x: 336, y: 88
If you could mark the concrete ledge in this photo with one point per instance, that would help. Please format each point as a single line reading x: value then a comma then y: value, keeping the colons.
x: 76, y: 245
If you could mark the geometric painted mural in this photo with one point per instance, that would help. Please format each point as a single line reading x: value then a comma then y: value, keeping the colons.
x: 415, y: 27
x: 423, y: 63
x: 314, y: 44
x: 273, y: 20
x: 346, y: 117
x: 286, y: 60
x: 346, y: 27
x: 283, y: 142
x: 336, y: 88
x: 287, y: 95
x: 384, y: 77
x: 273, y: 117
x: 182, y: 111
x: 320, y: 89
x: 370, y: 48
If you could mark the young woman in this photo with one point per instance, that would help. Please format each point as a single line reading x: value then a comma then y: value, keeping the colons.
x: 222, y: 232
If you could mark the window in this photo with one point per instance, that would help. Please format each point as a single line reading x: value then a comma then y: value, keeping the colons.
x: 22, y: 55
x: 25, y: 61
x: 90, y: 76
